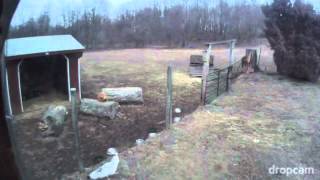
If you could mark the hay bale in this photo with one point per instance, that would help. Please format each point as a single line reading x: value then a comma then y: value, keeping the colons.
x: 124, y: 95
x: 100, y: 109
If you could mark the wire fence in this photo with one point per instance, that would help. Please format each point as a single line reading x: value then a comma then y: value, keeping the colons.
x: 218, y: 80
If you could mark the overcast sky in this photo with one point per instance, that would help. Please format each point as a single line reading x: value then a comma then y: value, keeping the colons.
x: 112, y: 8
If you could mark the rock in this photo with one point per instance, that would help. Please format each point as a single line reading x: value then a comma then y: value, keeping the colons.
x: 93, y: 107
x: 177, y: 110
x: 177, y: 119
x: 54, y: 119
x: 124, y: 95
x: 139, y: 142
x: 152, y: 135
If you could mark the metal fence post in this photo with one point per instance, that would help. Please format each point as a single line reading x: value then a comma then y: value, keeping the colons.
x: 218, y: 84
x: 228, y: 78
x: 74, y: 117
x: 169, y: 98
x: 231, y: 47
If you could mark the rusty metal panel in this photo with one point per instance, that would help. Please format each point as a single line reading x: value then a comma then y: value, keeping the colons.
x: 41, y: 45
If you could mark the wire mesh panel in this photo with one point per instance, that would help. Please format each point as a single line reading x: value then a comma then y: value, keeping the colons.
x: 218, y: 80
x: 217, y: 83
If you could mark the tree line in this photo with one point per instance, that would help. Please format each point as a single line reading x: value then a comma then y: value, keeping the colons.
x: 175, y: 26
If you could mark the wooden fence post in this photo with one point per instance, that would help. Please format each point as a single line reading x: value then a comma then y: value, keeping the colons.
x: 74, y: 117
x: 231, y: 47
x: 169, y: 98
x: 205, y: 72
x: 254, y: 58
x: 218, y: 84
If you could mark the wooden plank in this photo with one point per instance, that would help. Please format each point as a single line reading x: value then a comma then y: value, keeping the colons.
x: 220, y: 42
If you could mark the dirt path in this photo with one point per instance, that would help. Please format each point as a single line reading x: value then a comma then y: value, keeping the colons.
x: 264, y: 121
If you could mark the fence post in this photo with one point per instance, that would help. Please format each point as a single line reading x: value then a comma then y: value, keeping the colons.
x: 205, y: 72
x: 169, y: 98
x: 231, y: 47
x: 259, y: 56
x: 218, y: 84
x: 74, y: 117
x: 228, y: 78
x: 254, y: 58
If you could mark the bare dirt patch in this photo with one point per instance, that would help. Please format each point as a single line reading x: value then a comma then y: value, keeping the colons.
x: 49, y: 158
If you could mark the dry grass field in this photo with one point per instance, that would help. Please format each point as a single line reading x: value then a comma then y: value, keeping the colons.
x: 264, y: 121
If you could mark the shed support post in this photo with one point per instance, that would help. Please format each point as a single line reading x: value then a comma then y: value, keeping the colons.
x: 73, y: 69
x: 13, y: 86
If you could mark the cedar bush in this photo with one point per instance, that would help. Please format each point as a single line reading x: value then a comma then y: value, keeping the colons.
x: 293, y: 31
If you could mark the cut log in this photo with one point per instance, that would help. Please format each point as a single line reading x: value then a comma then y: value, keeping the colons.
x: 54, y: 119
x: 124, y: 95
x: 100, y: 109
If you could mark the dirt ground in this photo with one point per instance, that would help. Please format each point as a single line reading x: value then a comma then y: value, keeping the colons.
x: 49, y: 158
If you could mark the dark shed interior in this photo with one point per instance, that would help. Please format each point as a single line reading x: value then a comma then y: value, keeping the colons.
x: 43, y: 75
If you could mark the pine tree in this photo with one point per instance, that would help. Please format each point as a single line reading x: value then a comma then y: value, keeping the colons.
x: 293, y: 31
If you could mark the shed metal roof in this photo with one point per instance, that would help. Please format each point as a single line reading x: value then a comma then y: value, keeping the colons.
x: 41, y: 45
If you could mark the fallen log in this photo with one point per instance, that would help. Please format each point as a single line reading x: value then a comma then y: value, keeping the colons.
x: 93, y: 107
x: 124, y: 95
x: 54, y: 120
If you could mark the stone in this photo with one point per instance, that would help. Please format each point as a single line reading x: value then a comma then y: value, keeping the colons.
x: 152, y: 135
x: 93, y: 107
x: 177, y: 119
x: 125, y: 94
x: 139, y: 142
x: 54, y: 120
x: 177, y: 110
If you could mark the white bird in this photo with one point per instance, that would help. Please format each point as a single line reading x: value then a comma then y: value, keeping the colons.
x: 108, y: 168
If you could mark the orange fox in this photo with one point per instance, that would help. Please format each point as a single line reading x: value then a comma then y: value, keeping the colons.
x: 102, y: 97
x: 246, y: 62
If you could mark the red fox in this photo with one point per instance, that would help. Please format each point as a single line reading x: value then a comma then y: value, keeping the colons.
x: 246, y: 62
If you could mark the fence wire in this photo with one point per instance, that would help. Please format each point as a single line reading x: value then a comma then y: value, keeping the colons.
x: 218, y: 80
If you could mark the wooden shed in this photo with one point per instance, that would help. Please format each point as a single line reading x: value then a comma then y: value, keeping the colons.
x: 35, y: 65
